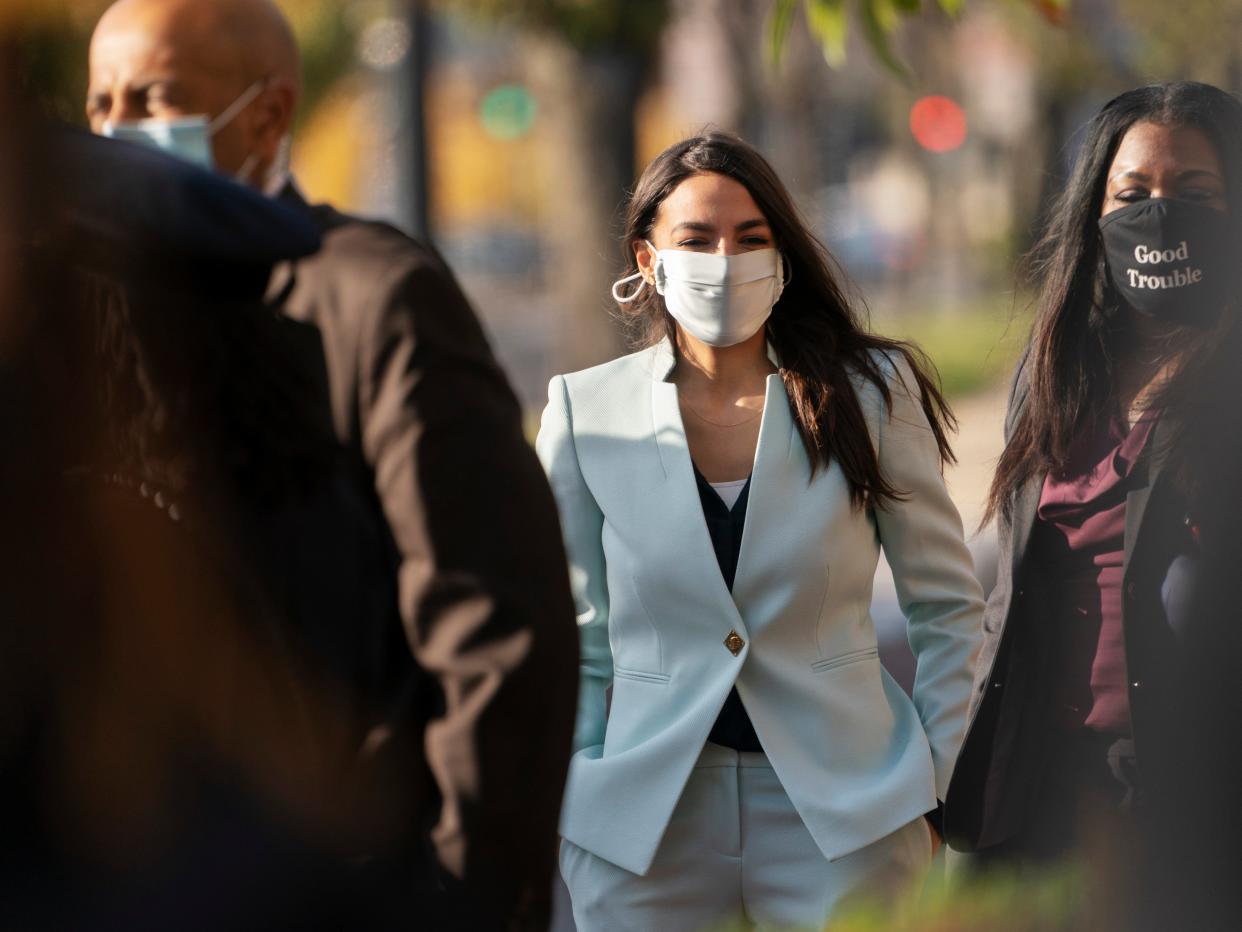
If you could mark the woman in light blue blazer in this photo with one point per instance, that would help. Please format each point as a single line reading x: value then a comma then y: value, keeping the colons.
x: 724, y: 495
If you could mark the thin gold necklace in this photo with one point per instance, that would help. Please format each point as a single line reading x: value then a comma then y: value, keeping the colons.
x: 708, y: 420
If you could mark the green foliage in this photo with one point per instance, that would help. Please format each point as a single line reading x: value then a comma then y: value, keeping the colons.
x: 828, y: 21
x: 1193, y: 39
x: 779, y: 22
x: 327, y: 39
x: 973, y: 347
x: 625, y: 26
x: 879, y: 19
x: 828, y: 24
x: 1051, y: 902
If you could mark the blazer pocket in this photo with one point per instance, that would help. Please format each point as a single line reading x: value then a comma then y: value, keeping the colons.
x: 639, y: 676
x: 644, y: 647
x: 841, y: 660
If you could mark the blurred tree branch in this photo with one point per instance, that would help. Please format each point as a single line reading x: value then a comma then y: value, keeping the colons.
x: 829, y: 23
x: 1192, y: 38
x: 597, y: 25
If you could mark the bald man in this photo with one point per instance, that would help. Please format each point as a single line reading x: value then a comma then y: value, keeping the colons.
x: 432, y: 430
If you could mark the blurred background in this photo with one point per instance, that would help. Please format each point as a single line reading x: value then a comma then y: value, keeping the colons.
x: 921, y: 140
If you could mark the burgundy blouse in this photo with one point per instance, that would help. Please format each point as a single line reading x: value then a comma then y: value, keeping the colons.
x: 1080, y: 538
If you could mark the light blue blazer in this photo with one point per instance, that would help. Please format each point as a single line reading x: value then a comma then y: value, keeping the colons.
x: 857, y: 758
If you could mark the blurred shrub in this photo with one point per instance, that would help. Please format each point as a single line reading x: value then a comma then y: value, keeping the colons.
x: 1050, y: 902
x: 975, y: 347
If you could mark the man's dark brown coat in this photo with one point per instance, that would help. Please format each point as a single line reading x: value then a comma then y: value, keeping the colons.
x: 433, y: 434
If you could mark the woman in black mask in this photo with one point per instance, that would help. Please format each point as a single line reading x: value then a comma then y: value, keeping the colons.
x: 1103, y: 488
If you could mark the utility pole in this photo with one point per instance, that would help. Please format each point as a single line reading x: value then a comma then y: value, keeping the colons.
x: 411, y: 81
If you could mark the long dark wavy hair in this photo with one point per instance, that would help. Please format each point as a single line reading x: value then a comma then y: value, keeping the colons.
x: 818, y: 335
x: 1081, y: 324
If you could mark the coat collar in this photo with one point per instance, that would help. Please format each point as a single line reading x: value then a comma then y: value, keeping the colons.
x: 1151, y: 472
x: 1154, y: 461
x: 284, y: 276
x: 291, y: 195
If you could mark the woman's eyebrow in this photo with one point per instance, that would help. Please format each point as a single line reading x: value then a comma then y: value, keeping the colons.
x: 1192, y: 172
x: 696, y: 226
x: 1187, y: 173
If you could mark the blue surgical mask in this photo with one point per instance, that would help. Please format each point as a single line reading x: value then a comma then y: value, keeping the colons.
x: 188, y: 137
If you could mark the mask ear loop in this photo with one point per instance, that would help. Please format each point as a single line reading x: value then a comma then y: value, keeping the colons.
x: 629, y: 278
x: 247, y: 168
x: 244, y: 100
x: 626, y: 299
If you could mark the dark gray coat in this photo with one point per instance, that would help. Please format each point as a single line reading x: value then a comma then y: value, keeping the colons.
x: 1001, y: 760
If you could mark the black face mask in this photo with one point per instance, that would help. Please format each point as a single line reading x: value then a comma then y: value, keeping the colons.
x: 1171, y: 260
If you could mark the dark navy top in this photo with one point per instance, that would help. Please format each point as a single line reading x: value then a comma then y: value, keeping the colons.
x: 733, y: 727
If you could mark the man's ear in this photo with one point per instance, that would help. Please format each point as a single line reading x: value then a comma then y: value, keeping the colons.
x: 273, y: 114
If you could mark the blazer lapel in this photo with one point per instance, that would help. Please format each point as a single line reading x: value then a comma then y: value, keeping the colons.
x: 1136, y: 508
x: 1026, y: 501
x: 670, y: 433
x: 1025, y: 507
x: 778, y: 470
x: 677, y: 507
x: 1153, y: 462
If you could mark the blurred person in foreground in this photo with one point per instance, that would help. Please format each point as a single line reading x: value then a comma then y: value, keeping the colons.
x: 725, y: 493
x: 1085, y: 734
x: 182, y: 705
x: 433, y: 436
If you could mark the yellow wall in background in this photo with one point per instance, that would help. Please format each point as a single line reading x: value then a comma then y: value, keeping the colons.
x: 655, y: 126
x: 474, y: 177
x: 327, y: 151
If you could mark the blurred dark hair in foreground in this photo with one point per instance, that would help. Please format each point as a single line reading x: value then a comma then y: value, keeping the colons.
x: 173, y: 753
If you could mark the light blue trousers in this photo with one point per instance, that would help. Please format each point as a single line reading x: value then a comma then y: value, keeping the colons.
x: 736, y: 854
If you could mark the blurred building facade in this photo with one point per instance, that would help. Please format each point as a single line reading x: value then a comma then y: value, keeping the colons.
x: 536, y: 120
x: 519, y: 208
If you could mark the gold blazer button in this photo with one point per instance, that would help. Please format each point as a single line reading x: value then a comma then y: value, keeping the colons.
x: 734, y: 642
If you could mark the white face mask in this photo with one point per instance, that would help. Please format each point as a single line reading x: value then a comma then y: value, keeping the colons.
x: 720, y: 300
x: 187, y: 137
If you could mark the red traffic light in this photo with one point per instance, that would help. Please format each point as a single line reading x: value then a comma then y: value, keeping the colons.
x: 938, y: 124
